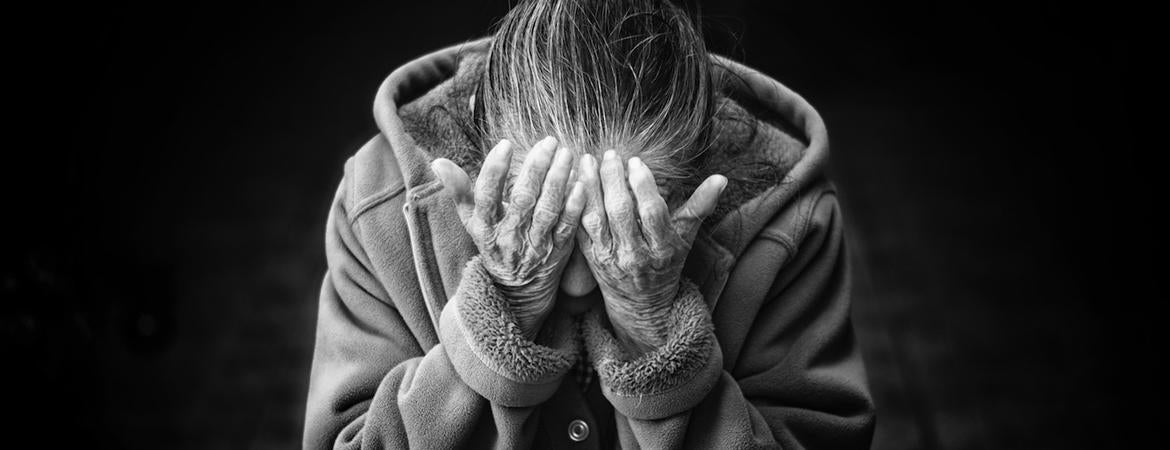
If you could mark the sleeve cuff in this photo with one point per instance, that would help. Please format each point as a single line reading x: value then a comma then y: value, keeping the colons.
x: 668, y: 380
x: 491, y: 354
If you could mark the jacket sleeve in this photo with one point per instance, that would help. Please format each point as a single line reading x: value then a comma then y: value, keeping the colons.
x: 374, y: 386
x: 799, y: 381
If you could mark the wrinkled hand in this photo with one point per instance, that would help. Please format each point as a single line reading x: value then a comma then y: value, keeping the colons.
x: 525, y: 242
x: 635, y: 247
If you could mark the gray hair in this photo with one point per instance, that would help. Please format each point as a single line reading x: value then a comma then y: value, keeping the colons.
x: 629, y: 75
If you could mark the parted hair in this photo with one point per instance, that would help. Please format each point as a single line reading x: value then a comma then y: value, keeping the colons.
x: 629, y: 75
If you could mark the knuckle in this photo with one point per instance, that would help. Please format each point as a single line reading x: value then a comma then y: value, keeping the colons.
x: 536, y: 240
x: 508, y: 240
x: 629, y: 261
x: 546, y: 212
x: 622, y: 216
x: 566, y: 220
x: 523, y: 198
x: 625, y: 250
x: 652, y: 209
x: 592, y: 221
x: 563, y: 232
x: 618, y: 205
x: 684, y: 223
x: 553, y: 189
x: 486, y: 197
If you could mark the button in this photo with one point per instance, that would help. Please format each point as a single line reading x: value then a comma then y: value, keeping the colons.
x: 578, y: 430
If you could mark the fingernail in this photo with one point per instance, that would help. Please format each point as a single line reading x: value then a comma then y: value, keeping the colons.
x: 722, y: 180
x: 635, y: 161
x: 610, y: 154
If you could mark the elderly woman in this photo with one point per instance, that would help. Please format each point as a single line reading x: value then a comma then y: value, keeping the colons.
x: 647, y: 253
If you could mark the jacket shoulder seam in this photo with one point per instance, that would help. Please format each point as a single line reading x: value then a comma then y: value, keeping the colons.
x: 375, y: 199
x: 806, y: 204
x: 779, y: 238
x: 373, y: 166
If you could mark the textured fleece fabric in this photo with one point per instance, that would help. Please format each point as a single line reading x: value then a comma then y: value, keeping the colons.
x: 491, y: 353
x: 668, y: 380
x: 415, y: 348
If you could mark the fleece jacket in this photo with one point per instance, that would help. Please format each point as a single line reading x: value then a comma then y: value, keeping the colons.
x: 416, y: 348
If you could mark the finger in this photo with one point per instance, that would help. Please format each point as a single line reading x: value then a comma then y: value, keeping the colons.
x: 573, y: 174
x: 619, y: 206
x: 456, y: 181
x: 526, y: 189
x: 552, y: 197
x: 651, y: 206
x: 571, y: 217
x: 593, y: 219
x: 702, y: 203
x: 490, y: 182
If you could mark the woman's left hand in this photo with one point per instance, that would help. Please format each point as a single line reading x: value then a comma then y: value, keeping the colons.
x: 635, y: 247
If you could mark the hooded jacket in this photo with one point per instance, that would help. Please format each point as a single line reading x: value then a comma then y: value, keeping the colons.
x: 415, y: 348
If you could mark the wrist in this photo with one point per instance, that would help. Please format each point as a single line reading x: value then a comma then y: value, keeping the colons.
x: 638, y: 330
x: 633, y: 345
x: 528, y: 309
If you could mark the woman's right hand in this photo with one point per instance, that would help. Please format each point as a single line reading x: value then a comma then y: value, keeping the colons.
x: 525, y: 242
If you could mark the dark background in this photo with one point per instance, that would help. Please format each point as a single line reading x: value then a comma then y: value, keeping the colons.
x: 167, y: 198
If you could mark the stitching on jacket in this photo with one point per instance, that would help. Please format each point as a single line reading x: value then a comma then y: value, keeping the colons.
x: 376, y: 199
x: 779, y: 238
x: 806, y: 207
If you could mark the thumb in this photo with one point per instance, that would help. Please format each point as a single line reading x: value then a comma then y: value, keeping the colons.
x: 456, y: 182
x: 702, y: 203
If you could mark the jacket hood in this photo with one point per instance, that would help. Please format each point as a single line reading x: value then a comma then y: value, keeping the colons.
x: 768, y: 140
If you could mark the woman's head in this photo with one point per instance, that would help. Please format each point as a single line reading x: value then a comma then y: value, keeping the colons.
x: 628, y: 75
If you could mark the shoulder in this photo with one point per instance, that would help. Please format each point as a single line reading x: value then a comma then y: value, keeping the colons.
x: 370, y: 198
x: 813, y: 215
x: 372, y: 177
x: 367, y: 222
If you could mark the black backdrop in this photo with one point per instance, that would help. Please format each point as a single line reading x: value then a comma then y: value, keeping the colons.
x: 169, y: 171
